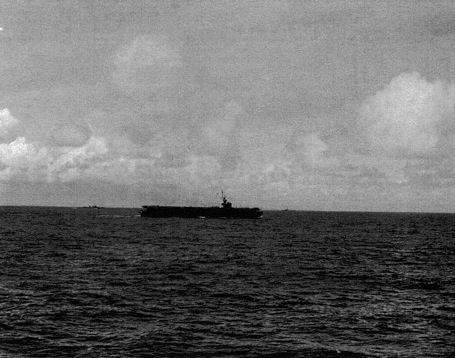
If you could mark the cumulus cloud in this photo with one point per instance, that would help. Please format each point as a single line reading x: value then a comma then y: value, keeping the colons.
x: 273, y: 158
x: 407, y: 116
x: 18, y: 153
x: 24, y: 160
x: 71, y: 135
x: 281, y: 157
x: 68, y: 156
x: 407, y: 136
x: 94, y: 148
x: 311, y: 148
x: 146, y: 64
x: 7, y: 124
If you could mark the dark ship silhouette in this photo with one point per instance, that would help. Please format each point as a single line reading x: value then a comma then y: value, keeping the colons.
x: 225, y: 211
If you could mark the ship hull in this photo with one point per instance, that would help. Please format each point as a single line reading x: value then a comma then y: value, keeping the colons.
x: 200, y: 212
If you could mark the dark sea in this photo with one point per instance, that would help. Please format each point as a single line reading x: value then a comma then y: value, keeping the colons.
x: 107, y: 283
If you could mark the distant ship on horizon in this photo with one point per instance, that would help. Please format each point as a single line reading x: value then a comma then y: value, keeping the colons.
x: 225, y: 211
x: 92, y: 207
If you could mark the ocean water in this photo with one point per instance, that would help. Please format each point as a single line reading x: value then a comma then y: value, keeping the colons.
x: 107, y: 283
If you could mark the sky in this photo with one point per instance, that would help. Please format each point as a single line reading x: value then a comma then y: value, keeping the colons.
x: 283, y: 104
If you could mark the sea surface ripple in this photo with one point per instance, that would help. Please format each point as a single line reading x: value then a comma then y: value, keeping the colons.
x: 107, y: 283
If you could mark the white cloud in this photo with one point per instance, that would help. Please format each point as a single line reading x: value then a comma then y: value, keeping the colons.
x: 35, y: 160
x: 373, y: 169
x: 282, y: 158
x: 147, y: 51
x: 406, y: 117
x: 147, y: 64
x: 72, y: 135
x: 6, y: 119
x: 77, y: 160
x: 312, y: 149
x: 23, y: 160
x: 7, y: 124
x: 18, y: 152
